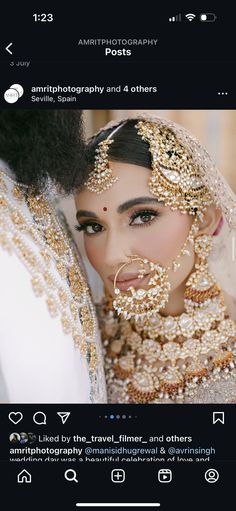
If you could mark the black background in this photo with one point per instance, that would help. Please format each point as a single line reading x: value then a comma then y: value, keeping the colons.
x: 187, y: 490
x: 191, y: 63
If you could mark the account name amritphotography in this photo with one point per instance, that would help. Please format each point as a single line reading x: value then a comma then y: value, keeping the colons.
x: 118, y: 42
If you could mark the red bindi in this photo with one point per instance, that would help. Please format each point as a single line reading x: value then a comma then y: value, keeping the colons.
x: 104, y: 209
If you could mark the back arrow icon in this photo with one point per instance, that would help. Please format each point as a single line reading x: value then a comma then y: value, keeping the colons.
x: 7, y: 48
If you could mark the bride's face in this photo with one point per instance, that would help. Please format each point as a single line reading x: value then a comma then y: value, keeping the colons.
x: 128, y: 220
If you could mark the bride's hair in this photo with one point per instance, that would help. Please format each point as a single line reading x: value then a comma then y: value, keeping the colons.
x: 128, y: 146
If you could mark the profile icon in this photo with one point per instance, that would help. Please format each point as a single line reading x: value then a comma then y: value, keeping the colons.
x: 23, y: 438
x: 12, y: 94
x: 14, y: 438
x: 212, y: 475
x: 32, y: 438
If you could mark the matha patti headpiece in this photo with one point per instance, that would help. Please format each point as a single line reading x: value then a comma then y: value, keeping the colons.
x: 176, y: 178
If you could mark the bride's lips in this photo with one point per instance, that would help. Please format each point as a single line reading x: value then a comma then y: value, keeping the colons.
x: 127, y: 280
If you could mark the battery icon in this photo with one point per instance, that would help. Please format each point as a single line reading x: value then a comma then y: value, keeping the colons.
x: 208, y: 16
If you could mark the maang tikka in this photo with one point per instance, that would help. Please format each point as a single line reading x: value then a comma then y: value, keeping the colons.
x: 102, y: 177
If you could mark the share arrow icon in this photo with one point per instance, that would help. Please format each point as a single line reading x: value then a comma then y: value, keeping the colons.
x: 64, y: 416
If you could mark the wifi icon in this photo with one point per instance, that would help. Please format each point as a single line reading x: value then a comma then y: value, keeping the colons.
x: 190, y: 17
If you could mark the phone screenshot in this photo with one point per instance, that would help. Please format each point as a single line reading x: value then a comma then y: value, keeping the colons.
x: 117, y: 257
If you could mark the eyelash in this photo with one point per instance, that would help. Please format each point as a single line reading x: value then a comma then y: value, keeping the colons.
x: 135, y: 215
x: 83, y: 226
x: 143, y: 212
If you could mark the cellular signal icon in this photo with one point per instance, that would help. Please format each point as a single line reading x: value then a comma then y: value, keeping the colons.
x: 190, y: 17
x: 175, y: 18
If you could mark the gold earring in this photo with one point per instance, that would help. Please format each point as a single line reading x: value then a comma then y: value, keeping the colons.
x: 202, y: 285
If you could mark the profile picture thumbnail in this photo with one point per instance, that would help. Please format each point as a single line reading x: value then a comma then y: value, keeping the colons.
x: 31, y: 438
x: 14, y: 438
x: 23, y: 438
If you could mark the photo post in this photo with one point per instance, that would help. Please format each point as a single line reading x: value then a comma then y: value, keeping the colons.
x: 117, y: 258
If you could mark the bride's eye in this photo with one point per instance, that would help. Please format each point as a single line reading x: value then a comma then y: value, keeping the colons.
x: 89, y: 228
x: 144, y: 217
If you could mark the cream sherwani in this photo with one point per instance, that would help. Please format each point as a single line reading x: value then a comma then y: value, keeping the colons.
x: 39, y: 362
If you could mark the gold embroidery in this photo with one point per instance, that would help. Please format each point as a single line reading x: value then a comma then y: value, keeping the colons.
x: 38, y: 206
x: 76, y: 284
x: 54, y: 241
x: 18, y: 193
x: 18, y: 219
x: 71, y: 300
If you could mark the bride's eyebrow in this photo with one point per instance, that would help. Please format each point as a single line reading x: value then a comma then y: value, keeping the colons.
x: 123, y: 207
x: 84, y: 212
x: 134, y: 202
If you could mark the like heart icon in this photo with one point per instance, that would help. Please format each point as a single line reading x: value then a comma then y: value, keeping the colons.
x: 15, y: 417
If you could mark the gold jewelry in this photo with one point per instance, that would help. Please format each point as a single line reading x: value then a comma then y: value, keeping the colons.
x: 102, y: 177
x: 176, y: 179
x: 50, y: 256
x: 155, y: 359
x: 143, y: 303
x: 144, y: 366
x: 175, y: 265
x: 201, y: 285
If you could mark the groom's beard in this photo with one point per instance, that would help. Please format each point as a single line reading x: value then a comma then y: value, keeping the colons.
x: 42, y: 144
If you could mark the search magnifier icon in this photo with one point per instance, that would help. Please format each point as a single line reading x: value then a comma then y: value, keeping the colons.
x: 70, y: 475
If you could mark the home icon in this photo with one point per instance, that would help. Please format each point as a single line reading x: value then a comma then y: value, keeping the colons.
x: 24, y: 477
